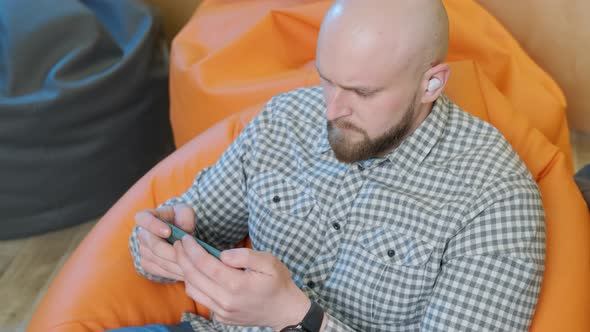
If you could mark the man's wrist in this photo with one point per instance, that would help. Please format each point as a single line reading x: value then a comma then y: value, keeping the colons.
x: 311, y: 322
x: 296, y: 312
x: 324, y: 323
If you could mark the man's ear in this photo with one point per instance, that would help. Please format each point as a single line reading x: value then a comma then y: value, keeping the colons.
x: 440, y: 72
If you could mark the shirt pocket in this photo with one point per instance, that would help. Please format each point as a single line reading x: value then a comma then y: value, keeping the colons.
x: 279, y: 209
x: 282, y: 195
x: 398, y: 264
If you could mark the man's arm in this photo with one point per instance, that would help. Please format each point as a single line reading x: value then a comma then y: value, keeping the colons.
x: 218, y: 198
x: 245, y: 288
x: 491, y: 272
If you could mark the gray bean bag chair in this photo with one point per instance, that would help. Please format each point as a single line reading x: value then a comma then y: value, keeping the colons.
x: 83, y: 108
x: 583, y: 181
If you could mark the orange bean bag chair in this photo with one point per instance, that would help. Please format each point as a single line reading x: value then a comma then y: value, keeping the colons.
x: 556, y: 34
x: 235, y: 54
x: 98, y: 287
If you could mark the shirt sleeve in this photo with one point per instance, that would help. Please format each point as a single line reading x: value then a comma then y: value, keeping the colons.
x: 491, y: 271
x: 218, y: 197
x: 334, y: 325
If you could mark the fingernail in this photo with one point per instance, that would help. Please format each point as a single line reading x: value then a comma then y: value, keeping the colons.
x: 165, y: 231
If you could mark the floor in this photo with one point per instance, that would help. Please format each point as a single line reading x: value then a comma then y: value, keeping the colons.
x: 27, y: 266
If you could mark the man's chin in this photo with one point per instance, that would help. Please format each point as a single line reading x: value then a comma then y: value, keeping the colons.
x: 344, y: 153
x: 344, y: 158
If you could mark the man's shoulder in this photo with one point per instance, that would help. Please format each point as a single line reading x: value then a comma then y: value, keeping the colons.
x: 300, y: 105
x: 477, y: 151
x: 294, y: 119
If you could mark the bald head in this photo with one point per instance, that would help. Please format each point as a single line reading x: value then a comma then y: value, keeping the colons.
x: 393, y: 34
x: 382, y: 68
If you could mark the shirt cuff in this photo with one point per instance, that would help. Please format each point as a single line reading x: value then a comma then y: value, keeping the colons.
x: 334, y: 325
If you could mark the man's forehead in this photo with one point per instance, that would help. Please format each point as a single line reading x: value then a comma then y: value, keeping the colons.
x: 363, y: 64
x: 404, y: 32
x: 359, y: 84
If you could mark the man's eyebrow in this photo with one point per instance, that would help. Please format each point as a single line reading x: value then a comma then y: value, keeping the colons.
x: 362, y: 89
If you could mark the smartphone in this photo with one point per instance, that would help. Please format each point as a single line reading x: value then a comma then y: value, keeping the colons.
x: 177, y: 234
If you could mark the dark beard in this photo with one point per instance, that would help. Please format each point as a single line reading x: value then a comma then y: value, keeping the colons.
x: 367, y: 148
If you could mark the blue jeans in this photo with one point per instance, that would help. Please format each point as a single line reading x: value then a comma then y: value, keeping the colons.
x: 182, y: 327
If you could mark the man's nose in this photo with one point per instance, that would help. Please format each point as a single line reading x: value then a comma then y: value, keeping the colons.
x: 336, y: 104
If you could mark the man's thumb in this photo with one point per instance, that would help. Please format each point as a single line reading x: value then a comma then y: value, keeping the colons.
x: 184, y: 217
x: 248, y: 259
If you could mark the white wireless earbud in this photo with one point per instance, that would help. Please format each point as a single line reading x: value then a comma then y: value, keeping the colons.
x: 433, y: 84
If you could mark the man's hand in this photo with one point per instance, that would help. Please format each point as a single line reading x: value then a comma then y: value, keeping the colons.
x: 246, y: 288
x: 157, y: 255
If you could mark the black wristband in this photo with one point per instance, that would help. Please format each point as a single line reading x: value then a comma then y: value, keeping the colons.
x: 312, y: 322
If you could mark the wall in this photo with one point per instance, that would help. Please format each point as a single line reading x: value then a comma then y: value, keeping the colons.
x: 556, y: 34
x: 175, y: 14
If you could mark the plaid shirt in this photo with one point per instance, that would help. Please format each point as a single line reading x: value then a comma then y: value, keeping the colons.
x: 445, y: 233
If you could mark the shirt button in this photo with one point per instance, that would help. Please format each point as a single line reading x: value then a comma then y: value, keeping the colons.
x: 310, y: 284
x: 390, y: 252
x: 276, y: 199
x: 336, y: 226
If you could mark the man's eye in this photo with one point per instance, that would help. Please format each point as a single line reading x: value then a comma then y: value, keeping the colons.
x: 363, y: 94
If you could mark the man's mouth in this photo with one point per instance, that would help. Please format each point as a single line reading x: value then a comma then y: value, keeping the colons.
x: 346, y: 127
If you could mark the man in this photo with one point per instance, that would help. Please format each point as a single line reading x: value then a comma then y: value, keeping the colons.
x: 373, y: 202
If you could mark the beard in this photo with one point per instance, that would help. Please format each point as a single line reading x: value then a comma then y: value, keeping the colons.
x: 348, y: 151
